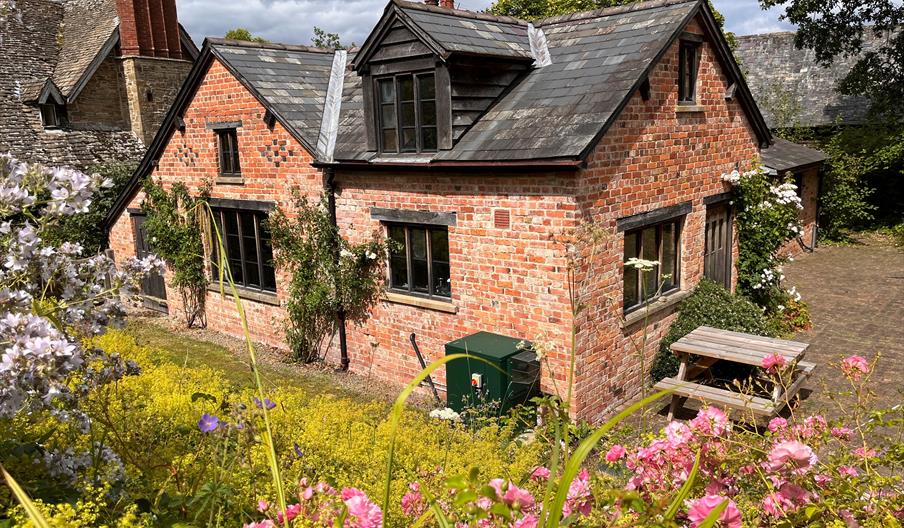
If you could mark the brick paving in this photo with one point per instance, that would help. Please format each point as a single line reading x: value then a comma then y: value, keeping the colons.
x: 856, y: 298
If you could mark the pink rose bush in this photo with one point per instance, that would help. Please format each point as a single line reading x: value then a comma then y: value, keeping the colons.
x: 322, y: 505
x: 854, y: 367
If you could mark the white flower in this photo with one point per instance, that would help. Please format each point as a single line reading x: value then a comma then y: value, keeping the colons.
x: 346, y: 253
x: 370, y: 255
x: 641, y: 264
x: 445, y: 414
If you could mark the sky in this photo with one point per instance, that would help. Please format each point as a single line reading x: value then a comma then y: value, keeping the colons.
x: 292, y: 21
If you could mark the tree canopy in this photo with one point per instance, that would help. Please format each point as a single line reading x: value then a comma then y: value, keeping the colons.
x: 324, y: 39
x: 241, y: 33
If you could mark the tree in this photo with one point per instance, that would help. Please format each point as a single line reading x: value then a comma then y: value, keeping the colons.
x: 536, y: 9
x: 243, y: 34
x: 837, y: 29
x: 323, y: 39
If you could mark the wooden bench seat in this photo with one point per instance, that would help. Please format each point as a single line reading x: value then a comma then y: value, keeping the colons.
x: 726, y: 398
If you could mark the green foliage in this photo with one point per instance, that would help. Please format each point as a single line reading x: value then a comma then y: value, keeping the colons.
x: 837, y: 29
x: 323, y: 39
x: 241, y: 33
x: 175, y: 224
x: 328, y: 274
x: 88, y: 229
x: 711, y: 305
x: 844, y: 203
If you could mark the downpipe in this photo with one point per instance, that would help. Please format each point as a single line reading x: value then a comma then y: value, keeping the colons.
x: 340, y: 313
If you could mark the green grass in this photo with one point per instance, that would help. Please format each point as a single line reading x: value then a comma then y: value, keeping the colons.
x: 191, y: 353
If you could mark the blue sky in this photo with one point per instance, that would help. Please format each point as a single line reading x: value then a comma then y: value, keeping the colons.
x: 292, y: 21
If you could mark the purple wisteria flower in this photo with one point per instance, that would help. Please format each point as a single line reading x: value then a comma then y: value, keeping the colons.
x: 208, y: 423
x: 267, y: 403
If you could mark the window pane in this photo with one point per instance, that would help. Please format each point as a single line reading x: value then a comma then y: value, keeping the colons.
x: 406, y: 116
x: 398, y: 265
x: 406, y: 89
x: 418, y: 239
x: 387, y: 116
x: 669, y: 257
x: 409, y: 139
x: 234, y: 143
x: 233, y: 247
x: 650, y: 251
x: 387, y: 91
x: 428, y: 138
x: 269, y: 278
x: 390, y: 140
x: 252, y: 274
x: 439, y: 250
x: 428, y: 113
x: 630, y: 286
x: 426, y: 87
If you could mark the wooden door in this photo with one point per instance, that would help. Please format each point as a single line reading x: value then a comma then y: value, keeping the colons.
x: 717, y: 252
x: 152, y: 286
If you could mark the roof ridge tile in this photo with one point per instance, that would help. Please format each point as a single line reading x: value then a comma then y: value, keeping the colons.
x: 461, y: 13
x: 218, y: 41
x: 609, y: 11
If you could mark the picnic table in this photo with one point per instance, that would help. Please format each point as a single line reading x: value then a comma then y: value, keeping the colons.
x: 712, y: 345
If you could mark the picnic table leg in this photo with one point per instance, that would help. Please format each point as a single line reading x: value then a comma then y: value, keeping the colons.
x: 676, y: 400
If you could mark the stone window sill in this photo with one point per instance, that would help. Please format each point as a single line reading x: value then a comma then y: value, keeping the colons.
x: 663, y: 303
x: 689, y: 109
x: 420, y: 302
x: 246, y: 293
x: 230, y: 180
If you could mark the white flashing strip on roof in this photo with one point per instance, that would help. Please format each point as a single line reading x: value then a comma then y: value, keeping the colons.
x: 539, y: 49
x: 329, y: 124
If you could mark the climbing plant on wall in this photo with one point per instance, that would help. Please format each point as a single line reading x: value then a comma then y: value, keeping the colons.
x: 328, y: 273
x: 175, y: 224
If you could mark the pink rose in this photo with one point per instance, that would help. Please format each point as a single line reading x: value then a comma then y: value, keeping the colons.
x: 528, y: 521
x: 614, y: 454
x: 362, y: 512
x: 710, y: 421
x: 517, y: 498
x: 678, y: 434
x: 773, y: 363
x: 700, y: 508
x: 777, y: 424
x: 540, y: 473
x: 854, y: 367
x: 791, y: 453
x: 842, y: 433
x: 863, y: 452
x: 775, y: 505
x: 848, y: 471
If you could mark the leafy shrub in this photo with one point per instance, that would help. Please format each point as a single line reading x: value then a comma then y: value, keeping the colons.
x: 708, y: 305
x: 844, y: 203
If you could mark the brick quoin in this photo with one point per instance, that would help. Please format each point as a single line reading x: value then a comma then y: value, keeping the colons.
x: 510, y: 280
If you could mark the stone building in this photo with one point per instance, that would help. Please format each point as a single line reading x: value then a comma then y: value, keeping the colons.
x: 478, y: 143
x: 88, y: 81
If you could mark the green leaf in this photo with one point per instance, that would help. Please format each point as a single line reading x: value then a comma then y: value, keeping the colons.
x: 203, y: 396
x: 683, y: 492
x: 30, y: 509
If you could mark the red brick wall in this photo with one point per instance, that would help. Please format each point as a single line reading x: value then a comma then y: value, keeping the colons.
x: 191, y: 158
x: 652, y: 157
x: 509, y: 281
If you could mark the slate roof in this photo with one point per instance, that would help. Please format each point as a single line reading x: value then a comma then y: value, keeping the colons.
x: 784, y: 155
x: 466, y: 32
x: 777, y: 70
x: 29, y: 55
x: 292, y: 80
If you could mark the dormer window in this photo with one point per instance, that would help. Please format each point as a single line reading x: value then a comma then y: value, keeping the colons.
x: 53, y: 115
x: 688, y: 64
x: 407, y: 112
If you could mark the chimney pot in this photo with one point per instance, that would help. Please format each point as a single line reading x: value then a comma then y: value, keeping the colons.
x: 448, y: 4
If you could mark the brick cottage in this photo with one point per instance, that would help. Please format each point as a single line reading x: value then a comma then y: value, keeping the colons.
x: 477, y: 142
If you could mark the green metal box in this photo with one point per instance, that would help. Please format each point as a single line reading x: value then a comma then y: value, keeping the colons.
x: 515, y: 381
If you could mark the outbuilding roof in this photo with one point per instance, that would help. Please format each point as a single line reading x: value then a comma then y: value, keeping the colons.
x: 784, y: 155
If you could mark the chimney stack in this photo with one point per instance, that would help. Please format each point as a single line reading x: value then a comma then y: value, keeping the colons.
x: 149, y: 28
x: 448, y: 4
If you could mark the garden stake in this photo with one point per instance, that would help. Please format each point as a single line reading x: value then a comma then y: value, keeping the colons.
x: 420, y: 359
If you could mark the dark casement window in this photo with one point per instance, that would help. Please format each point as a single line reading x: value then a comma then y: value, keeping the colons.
x: 688, y: 64
x: 228, y: 151
x: 407, y: 113
x: 656, y: 242
x: 419, y: 260
x: 53, y: 115
x: 248, y: 249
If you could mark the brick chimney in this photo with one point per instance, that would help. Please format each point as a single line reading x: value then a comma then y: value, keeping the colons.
x: 448, y: 4
x: 149, y: 28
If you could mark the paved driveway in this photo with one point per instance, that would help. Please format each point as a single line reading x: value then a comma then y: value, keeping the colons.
x: 856, y: 298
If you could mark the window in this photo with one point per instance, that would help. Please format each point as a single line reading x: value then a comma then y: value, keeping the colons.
x: 657, y: 242
x: 419, y: 260
x: 407, y: 113
x: 228, y: 152
x: 248, y: 249
x: 688, y: 64
x: 53, y: 115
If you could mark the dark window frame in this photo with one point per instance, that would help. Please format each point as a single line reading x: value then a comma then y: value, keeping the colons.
x: 409, y: 287
x: 675, y: 285
x: 265, y: 270
x: 228, y: 152
x: 419, y: 127
x: 53, y: 115
x: 687, y: 76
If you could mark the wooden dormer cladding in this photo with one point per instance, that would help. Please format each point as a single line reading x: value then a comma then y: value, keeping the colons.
x: 475, y: 84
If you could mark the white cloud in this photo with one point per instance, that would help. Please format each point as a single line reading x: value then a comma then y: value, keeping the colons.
x: 292, y: 21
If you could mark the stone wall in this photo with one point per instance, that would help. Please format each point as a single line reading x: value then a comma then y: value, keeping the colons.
x: 151, y: 85
x: 103, y: 103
